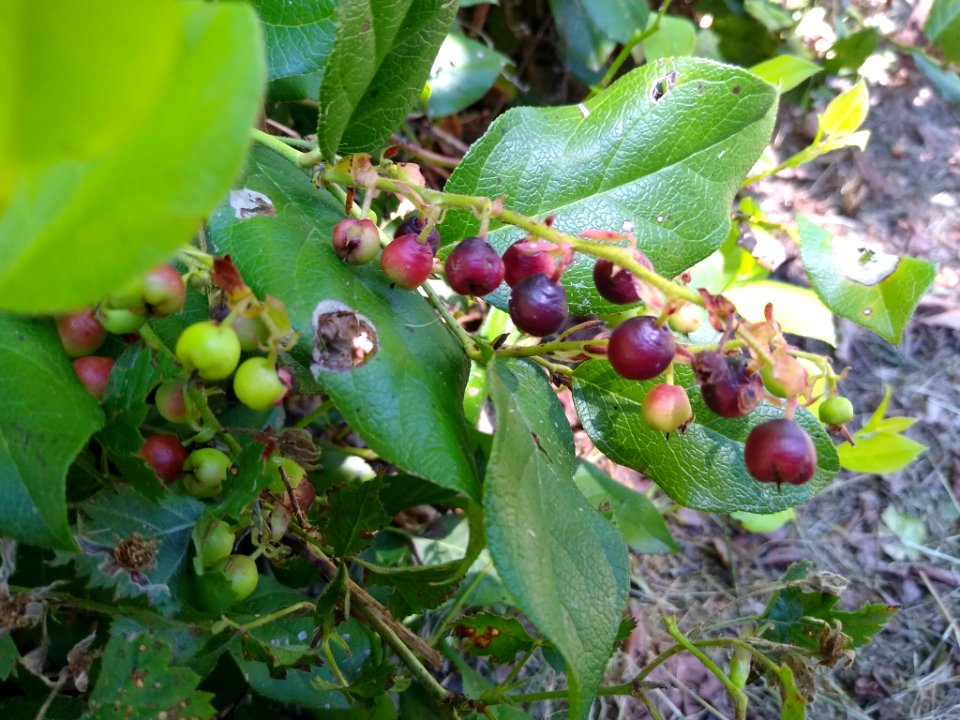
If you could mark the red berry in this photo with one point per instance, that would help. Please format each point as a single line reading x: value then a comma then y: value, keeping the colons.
x: 163, y: 290
x: 473, y: 267
x: 355, y: 241
x: 94, y: 373
x: 538, y: 305
x: 666, y: 408
x: 406, y: 262
x: 165, y: 456
x: 779, y: 451
x: 525, y: 258
x: 617, y: 285
x: 639, y: 349
x: 173, y: 405
x: 728, y: 388
x: 414, y: 226
x: 80, y: 333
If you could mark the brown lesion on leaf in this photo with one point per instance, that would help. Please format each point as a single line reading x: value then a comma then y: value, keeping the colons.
x: 343, y: 339
x: 247, y: 203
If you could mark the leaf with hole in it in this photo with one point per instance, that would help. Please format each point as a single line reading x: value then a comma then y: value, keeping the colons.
x: 639, y: 520
x: 136, y: 667
x: 489, y: 634
x: 46, y: 418
x: 943, y: 28
x: 702, y: 468
x: 664, y: 149
x: 565, y: 565
x: 406, y: 400
x: 66, y: 237
x: 873, y: 289
x: 381, y: 56
x: 351, y: 515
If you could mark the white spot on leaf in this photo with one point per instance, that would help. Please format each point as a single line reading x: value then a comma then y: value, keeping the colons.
x: 863, y: 265
x: 247, y: 203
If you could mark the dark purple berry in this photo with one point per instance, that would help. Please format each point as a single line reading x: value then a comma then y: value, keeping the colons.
x: 406, y: 262
x: 414, y: 226
x: 779, y: 451
x: 727, y: 386
x: 474, y: 268
x: 538, y: 305
x: 639, y: 349
x: 525, y: 258
x: 617, y: 285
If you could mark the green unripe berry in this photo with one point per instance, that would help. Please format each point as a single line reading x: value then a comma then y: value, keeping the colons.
x: 206, y: 470
x: 127, y: 297
x: 252, y: 331
x: 241, y: 572
x: 836, y: 410
x: 212, y: 350
x: 257, y: 384
x: 217, y: 543
x: 785, y: 377
x: 121, y: 321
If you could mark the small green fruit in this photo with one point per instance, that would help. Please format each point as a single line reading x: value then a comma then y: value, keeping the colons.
x: 121, y: 321
x: 212, y: 350
x: 836, y: 410
x: 217, y: 543
x: 257, y: 384
x: 206, y: 470
x: 241, y: 572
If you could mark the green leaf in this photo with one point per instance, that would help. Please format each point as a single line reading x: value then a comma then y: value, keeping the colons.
x: 805, y: 607
x: 462, y: 73
x: 406, y: 401
x: 381, y: 56
x: 71, y: 62
x: 351, y: 515
x: 298, y: 35
x: 851, y: 52
x: 629, y: 154
x: 46, y: 417
x: 617, y: 19
x: 676, y: 37
x: 785, y: 71
x: 138, y: 680
x: 772, y: 16
x: 565, y: 565
x: 702, y: 468
x: 947, y: 83
x: 764, y: 523
x: 846, y: 112
x: 489, y: 634
x: 873, y: 289
x: 589, y: 29
x: 909, y: 529
x: 879, y: 452
x: 943, y: 27
x: 798, y: 310
x: 639, y: 520
x: 165, y: 525
x: 416, y: 588
x: 171, y: 168
x: 9, y: 656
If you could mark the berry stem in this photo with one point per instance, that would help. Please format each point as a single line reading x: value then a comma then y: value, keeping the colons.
x: 210, y: 420
x: 638, y: 37
x: 468, y: 341
x: 557, y: 346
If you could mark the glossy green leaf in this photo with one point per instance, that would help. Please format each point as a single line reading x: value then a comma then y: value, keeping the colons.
x: 785, y: 71
x: 381, y: 56
x: 873, y: 289
x: 639, y: 520
x: 616, y: 19
x: 589, y: 30
x: 165, y: 525
x: 298, y: 34
x: 798, y: 310
x: 137, y: 679
x: 61, y: 55
x: 943, y: 27
x: 676, y: 37
x: 946, y: 83
x: 46, y: 417
x: 9, y: 656
x: 351, y: 515
x: 664, y: 148
x: 406, y: 401
x: 75, y: 230
x: 462, y: 73
x: 846, y: 112
x: 565, y: 565
x: 879, y: 452
x: 702, y: 468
